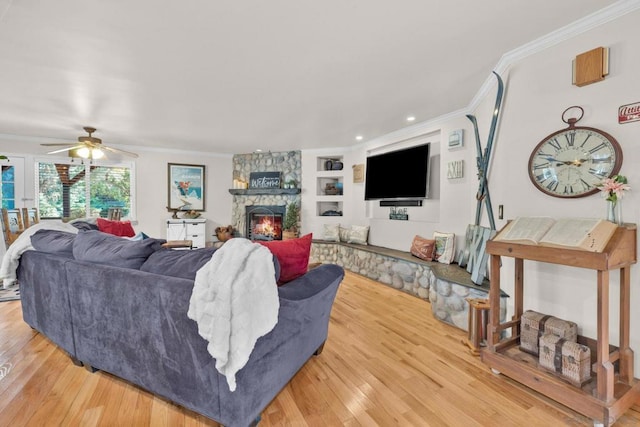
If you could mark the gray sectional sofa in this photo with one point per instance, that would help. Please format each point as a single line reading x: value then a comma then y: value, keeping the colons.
x: 132, y: 322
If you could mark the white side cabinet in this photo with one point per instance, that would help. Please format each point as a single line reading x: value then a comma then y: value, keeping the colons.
x: 188, y: 229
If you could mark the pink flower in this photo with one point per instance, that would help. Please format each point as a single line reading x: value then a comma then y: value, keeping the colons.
x: 613, y: 188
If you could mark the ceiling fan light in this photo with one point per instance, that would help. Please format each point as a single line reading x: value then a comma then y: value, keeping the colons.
x: 83, y: 152
x: 97, y: 153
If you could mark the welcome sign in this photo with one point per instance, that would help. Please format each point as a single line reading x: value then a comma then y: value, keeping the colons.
x: 264, y: 180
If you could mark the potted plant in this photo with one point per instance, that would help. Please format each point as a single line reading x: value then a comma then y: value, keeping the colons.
x: 290, y: 225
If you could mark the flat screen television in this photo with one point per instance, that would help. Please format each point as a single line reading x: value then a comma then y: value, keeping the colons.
x: 398, y: 175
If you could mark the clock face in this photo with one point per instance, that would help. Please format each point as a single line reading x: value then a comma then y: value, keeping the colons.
x: 571, y: 162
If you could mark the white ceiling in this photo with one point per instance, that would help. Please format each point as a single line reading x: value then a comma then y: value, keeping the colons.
x: 234, y: 76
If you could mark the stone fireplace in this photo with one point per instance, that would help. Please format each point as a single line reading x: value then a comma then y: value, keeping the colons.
x: 270, y: 204
x: 264, y: 222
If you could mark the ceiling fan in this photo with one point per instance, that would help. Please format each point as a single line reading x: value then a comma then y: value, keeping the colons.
x: 88, y: 147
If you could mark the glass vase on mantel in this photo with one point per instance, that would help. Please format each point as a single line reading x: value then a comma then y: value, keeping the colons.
x: 614, y: 211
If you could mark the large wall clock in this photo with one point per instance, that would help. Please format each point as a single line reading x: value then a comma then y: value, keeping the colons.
x: 570, y: 163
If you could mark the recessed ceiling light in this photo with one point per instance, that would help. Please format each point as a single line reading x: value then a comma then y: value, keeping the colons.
x: 411, y: 118
x: 359, y: 138
x: 258, y: 150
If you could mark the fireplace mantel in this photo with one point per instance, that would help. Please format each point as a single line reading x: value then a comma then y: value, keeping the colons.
x: 264, y: 191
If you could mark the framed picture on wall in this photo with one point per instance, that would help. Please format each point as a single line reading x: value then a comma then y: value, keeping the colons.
x: 358, y: 173
x: 186, y: 187
x: 456, y: 139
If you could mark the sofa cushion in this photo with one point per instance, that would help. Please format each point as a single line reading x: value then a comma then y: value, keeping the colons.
x: 103, y: 248
x: 184, y: 264
x: 53, y: 242
x: 177, y: 263
x: 117, y: 228
x: 83, y: 225
x: 293, y: 256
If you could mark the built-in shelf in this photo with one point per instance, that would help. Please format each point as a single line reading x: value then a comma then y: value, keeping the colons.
x: 327, y: 175
x: 265, y: 191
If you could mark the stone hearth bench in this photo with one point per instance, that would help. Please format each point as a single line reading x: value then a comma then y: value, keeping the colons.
x: 446, y: 286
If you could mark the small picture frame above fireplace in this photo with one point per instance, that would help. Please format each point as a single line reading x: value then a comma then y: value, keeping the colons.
x: 186, y: 187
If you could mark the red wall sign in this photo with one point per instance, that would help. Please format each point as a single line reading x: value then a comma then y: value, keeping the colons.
x: 629, y: 113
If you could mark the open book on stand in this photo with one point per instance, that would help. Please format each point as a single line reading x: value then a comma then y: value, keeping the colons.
x: 588, y: 234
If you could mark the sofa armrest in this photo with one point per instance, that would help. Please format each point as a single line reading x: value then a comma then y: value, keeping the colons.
x: 312, y: 282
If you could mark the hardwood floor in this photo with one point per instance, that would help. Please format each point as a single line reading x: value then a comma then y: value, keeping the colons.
x: 387, y: 362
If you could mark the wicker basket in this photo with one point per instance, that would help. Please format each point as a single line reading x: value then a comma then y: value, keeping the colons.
x: 533, y: 325
x: 567, y: 359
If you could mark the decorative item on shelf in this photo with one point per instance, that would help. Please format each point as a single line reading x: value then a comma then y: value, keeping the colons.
x: 290, y: 224
x: 240, y: 184
x: 333, y: 165
x: 398, y: 213
x: 174, y: 212
x: 290, y: 184
x: 330, y: 189
x: 331, y: 212
x: 191, y: 214
x: 613, y: 190
x: 224, y: 233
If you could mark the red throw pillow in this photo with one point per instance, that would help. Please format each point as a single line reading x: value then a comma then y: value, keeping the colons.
x: 117, y: 228
x: 293, y: 256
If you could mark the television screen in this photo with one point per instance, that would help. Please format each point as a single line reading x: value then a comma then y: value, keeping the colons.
x: 401, y: 174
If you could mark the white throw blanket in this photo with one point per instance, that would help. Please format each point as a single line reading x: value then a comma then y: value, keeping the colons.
x: 235, y: 302
x: 11, y: 258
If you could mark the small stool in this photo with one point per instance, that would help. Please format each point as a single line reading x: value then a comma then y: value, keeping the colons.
x: 478, y: 319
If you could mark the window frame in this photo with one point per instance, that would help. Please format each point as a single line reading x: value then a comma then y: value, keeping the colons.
x: 87, y: 164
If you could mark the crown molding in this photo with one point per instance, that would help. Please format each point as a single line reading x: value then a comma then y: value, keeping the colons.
x: 607, y: 14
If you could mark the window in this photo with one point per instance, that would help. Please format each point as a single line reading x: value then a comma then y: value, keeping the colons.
x: 8, y: 187
x: 71, y: 190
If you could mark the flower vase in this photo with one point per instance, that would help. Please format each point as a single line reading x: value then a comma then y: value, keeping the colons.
x: 614, y: 212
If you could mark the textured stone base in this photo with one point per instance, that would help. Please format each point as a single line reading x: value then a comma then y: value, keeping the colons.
x: 445, y: 286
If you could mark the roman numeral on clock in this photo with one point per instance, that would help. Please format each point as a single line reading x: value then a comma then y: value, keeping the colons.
x: 555, y: 144
x: 596, y: 148
x: 571, y: 138
x: 585, y: 184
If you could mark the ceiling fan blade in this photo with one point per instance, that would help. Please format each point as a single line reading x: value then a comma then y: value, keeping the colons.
x: 117, y: 150
x: 69, y: 148
x: 60, y: 144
